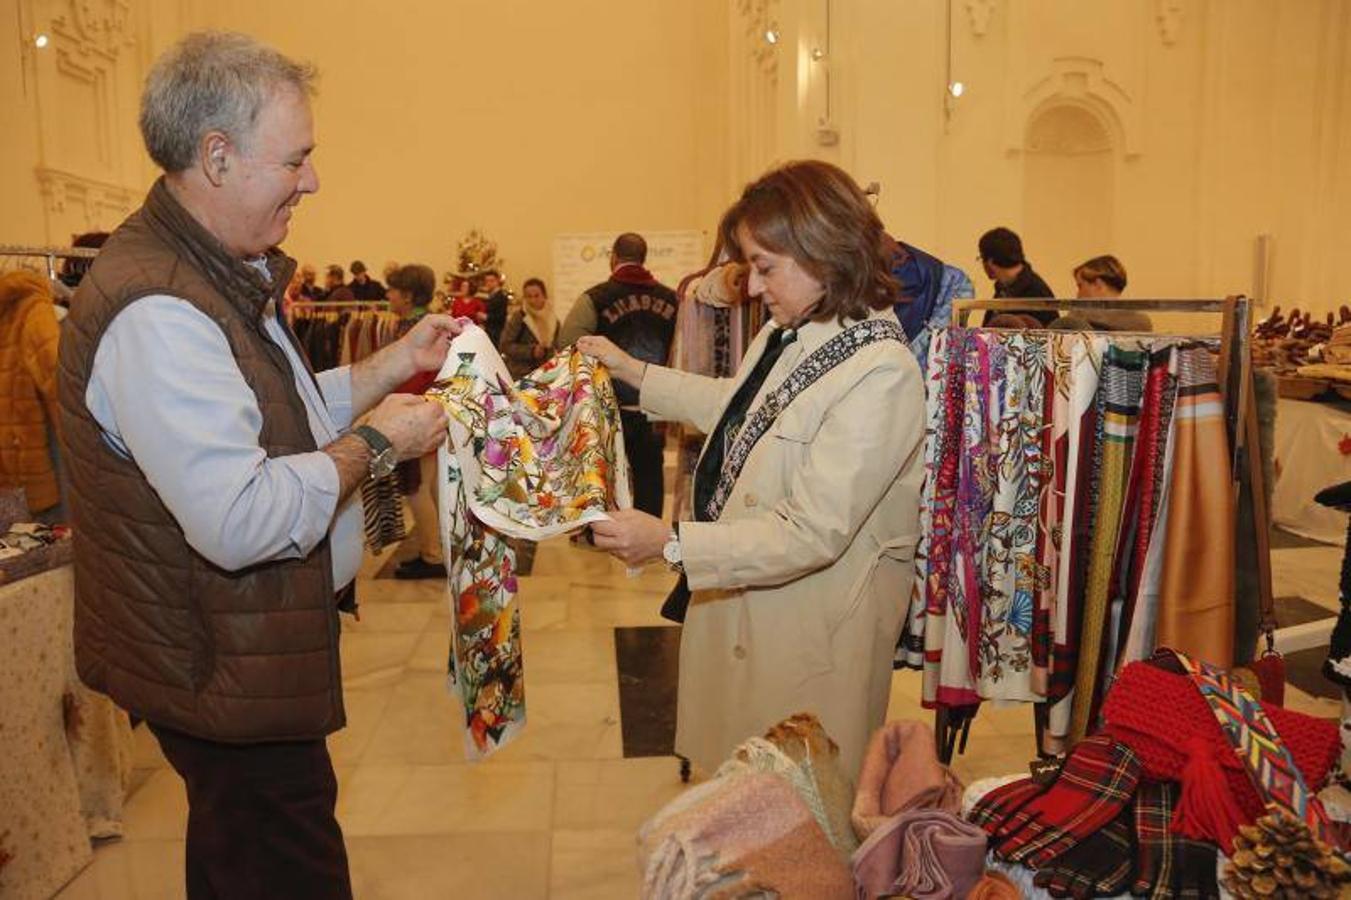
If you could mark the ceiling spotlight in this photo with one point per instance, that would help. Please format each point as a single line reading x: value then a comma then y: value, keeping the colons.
x: 818, y: 54
x: 40, y: 41
x: 772, y: 34
x: 956, y: 89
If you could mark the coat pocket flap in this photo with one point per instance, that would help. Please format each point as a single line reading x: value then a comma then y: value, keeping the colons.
x: 794, y: 425
x: 901, y: 549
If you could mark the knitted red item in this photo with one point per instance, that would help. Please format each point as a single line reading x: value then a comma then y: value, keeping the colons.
x: 1206, y: 808
x: 1155, y: 713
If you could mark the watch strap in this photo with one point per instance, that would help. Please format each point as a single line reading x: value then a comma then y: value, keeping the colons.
x: 374, y: 439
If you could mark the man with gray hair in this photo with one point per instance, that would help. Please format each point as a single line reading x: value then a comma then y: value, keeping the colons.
x: 213, y: 473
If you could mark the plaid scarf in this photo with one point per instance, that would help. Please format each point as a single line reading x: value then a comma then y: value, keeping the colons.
x: 1101, y: 865
x: 1095, y: 784
x: 1168, y: 865
x: 995, y: 807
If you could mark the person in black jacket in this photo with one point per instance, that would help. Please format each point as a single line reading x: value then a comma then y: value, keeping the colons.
x: 495, y: 302
x: 363, y: 286
x: 1001, y: 255
x: 638, y: 313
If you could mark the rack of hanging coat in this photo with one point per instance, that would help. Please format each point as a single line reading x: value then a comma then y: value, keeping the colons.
x: 1078, y: 510
x: 341, y: 333
x: 50, y: 254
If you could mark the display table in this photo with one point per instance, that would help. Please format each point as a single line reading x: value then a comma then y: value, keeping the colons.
x: 65, y: 752
x: 1309, y: 456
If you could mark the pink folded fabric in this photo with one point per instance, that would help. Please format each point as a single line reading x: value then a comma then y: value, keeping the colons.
x: 740, y: 835
x: 925, y: 854
x: 900, y: 772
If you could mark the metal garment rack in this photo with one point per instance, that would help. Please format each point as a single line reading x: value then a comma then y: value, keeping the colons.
x: 343, y: 304
x: 51, y: 254
x: 1235, y: 378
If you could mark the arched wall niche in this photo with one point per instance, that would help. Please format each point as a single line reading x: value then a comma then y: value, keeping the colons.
x: 1069, y: 156
x: 1083, y: 82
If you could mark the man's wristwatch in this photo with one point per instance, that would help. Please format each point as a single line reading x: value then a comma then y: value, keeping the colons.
x: 671, y: 552
x: 383, y: 459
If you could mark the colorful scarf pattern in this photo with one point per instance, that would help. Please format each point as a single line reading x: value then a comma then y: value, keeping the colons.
x: 529, y: 460
x: 1048, y: 558
x: 1267, y: 760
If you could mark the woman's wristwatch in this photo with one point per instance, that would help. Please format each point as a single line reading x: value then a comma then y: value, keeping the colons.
x: 383, y: 459
x: 671, y: 553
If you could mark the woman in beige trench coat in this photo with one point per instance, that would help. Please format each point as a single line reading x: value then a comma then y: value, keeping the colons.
x: 801, y: 583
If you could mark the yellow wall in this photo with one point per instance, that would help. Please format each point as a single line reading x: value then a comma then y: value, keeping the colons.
x: 1225, y: 120
x: 1170, y: 133
x: 522, y: 119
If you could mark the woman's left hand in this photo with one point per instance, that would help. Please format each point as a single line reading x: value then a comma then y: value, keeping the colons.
x: 427, y: 342
x: 633, y: 536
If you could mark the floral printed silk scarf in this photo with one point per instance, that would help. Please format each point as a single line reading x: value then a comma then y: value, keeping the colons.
x: 530, y: 459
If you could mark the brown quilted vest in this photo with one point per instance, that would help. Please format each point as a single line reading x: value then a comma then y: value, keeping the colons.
x: 238, y: 656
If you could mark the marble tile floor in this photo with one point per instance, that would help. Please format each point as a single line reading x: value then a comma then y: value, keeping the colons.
x: 552, y: 815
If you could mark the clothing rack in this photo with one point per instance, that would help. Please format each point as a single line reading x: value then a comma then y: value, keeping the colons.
x: 342, y: 304
x: 1235, y: 381
x: 51, y: 254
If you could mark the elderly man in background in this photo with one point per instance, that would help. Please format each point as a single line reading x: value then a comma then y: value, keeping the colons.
x: 212, y: 473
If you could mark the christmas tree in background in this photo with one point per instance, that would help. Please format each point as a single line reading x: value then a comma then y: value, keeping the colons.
x: 476, y: 256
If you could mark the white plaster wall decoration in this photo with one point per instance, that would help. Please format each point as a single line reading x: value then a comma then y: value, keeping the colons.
x: 75, y: 203
x: 978, y: 13
x: 95, y: 27
x: 757, y: 17
x: 1168, y: 13
x: 1080, y: 81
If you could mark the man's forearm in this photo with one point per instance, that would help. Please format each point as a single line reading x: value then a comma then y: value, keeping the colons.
x: 352, y: 456
x: 376, y: 375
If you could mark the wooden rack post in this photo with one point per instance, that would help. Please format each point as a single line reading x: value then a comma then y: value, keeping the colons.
x: 1235, y: 379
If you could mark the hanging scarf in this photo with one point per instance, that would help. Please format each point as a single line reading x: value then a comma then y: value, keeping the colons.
x: 1010, y: 574
x: 1118, y: 401
x: 529, y: 460
x: 1196, y: 597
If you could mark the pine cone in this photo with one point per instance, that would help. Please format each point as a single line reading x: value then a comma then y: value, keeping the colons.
x: 1279, y: 858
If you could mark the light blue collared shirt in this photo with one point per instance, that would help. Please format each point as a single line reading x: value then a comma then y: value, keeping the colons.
x: 169, y: 395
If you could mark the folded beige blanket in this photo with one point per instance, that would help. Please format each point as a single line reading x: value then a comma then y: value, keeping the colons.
x: 743, y: 834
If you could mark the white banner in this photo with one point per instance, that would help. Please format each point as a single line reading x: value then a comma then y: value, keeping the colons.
x: 581, y: 261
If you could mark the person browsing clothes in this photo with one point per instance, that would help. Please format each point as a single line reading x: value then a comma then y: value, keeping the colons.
x: 799, y: 558
x: 212, y: 473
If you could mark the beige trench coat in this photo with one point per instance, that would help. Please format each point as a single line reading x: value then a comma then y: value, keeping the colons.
x: 801, y: 586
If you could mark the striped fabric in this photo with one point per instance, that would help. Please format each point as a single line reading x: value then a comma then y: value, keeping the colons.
x: 1196, y: 595
x: 1142, y: 494
x: 1077, y: 528
x: 1268, y: 762
x: 1123, y: 376
x: 382, y: 508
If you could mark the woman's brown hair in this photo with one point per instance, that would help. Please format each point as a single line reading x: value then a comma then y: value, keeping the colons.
x: 815, y: 213
x: 417, y: 281
x: 1107, y: 269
